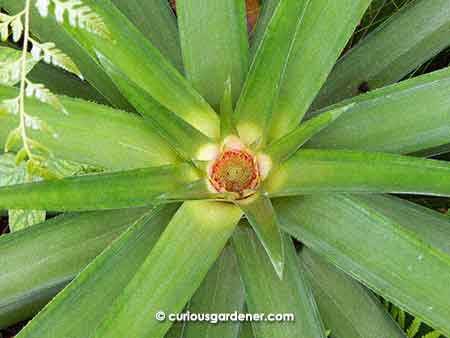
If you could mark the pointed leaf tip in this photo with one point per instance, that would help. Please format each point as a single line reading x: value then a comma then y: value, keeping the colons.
x: 286, y: 146
x: 261, y: 216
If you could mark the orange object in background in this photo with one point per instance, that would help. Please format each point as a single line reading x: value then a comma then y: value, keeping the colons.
x: 173, y: 4
x: 253, y: 8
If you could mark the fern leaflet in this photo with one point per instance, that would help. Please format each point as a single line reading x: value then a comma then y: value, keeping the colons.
x: 79, y: 15
x: 54, y: 56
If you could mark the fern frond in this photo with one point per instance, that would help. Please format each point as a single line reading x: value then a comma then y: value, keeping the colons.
x: 10, y: 72
x: 10, y: 106
x: 37, y: 168
x: 14, y: 22
x: 401, y: 319
x: 35, y: 156
x: 43, y: 94
x: 34, y: 123
x: 79, y: 14
x: 17, y: 28
x: 414, y: 328
x: 11, y: 66
x: 35, y: 152
x: 4, y: 31
x: 39, y: 148
x: 434, y: 334
x: 52, y: 55
x: 12, y: 140
x: 42, y: 7
x: 5, y: 21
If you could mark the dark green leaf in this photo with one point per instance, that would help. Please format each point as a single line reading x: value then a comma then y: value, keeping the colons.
x: 267, y: 294
x: 348, y: 309
x: 404, y: 118
x: 173, y: 270
x: 397, y: 47
x: 261, y: 216
x: 246, y: 330
x: 79, y: 309
x: 404, y: 258
x: 66, y: 244
x: 220, y: 292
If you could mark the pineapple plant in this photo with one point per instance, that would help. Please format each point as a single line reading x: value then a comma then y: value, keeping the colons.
x: 189, y: 167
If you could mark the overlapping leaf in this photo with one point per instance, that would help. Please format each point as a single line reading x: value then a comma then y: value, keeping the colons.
x: 66, y: 244
x: 114, y: 190
x: 318, y: 171
x: 398, y: 249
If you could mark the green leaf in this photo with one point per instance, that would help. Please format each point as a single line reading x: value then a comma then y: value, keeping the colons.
x: 358, y: 234
x: 261, y: 216
x: 266, y: 293
x: 321, y: 35
x: 66, y: 244
x: 268, y: 7
x: 78, y: 310
x: 348, y: 309
x: 63, y: 83
x: 133, y: 55
x: 220, y: 292
x: 315, y: 171
x: 114, y: 190
x: 10, y: 63
x: 226, y: 113
x: 196, y: 190
x: 50, y: 54
x: 434, y: 334
x: 283, y: 148
x: 173, y: 270
x: 183, y: 137
x: 156, y: 21
x: 11, y: 174
x: 403, y: 118
x: 19, y: 219
x: 124, y: 140
x: 246, y: 330
x: 254, y: 107
x: 214, y: 43
x: 413, y: 329
x: 46, y: 29
x: 397, y: 47
x: 176, y: 330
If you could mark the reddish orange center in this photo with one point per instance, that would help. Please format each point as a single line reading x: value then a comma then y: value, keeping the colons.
x: 234, y: 171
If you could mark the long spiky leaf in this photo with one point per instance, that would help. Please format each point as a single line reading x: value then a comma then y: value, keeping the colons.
x: 318, y: 171
x: 185, y: 252
x: 261, y: 216
x: 122, y: 189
